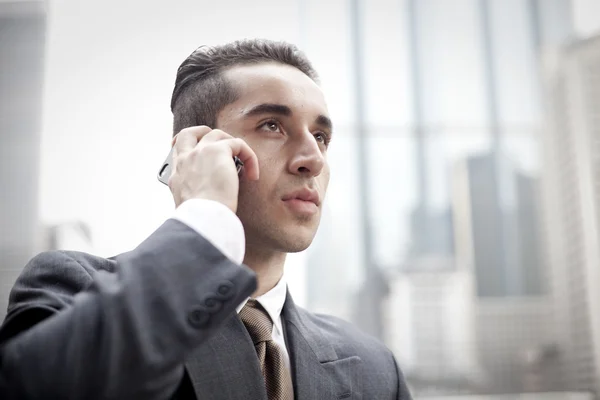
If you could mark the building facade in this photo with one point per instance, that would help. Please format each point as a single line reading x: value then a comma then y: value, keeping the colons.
x: 571, y: 200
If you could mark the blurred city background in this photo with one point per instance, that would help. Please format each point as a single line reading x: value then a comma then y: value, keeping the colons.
x: 462, y: 224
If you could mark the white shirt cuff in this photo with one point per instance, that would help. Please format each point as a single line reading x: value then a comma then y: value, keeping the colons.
x: 217, y: 224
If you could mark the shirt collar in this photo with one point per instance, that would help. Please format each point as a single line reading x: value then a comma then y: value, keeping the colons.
x: 272, y: 301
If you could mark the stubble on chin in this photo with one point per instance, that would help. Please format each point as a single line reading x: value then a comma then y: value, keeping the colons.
x: 293, y: 238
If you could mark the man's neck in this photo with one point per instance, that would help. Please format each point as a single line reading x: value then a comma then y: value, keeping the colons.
x: 268, y: 266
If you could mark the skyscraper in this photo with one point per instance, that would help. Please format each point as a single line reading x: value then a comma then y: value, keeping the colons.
x: 502, y: 223
x: 431, y: 326
x: 571, y: 199
x: 21, y: 75
x: 497, y: 240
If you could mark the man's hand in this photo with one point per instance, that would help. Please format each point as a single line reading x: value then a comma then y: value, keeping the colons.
x: 203, y: 166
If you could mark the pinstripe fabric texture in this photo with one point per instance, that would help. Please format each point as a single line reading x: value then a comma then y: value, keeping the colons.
x: 278, y: 380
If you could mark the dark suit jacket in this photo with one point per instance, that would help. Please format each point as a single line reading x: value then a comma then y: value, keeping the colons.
x: 159, y: 322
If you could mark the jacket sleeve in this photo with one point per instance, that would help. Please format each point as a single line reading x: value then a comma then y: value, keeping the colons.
x: 403, y: 391
x: 76, y: 333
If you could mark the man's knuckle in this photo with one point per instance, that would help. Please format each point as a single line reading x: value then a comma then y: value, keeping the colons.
x: 186, y: 131
x: 194, y: 130
x: 179, y: 160
x: 222, y: 134
x: 208, y: 150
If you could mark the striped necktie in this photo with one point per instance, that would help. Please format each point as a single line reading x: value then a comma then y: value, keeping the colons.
x: 278, y: 380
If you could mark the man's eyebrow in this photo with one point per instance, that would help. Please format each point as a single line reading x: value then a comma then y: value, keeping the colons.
x: 325, y: 122
x: 269, y: 108
x: 272, y: 108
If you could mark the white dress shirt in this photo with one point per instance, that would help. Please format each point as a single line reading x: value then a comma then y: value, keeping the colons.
x: 224, y: 230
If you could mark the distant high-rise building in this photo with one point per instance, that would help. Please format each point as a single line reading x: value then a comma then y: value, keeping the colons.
x: 501, y: 224
x: 516, y: 345
x: 571, y: 203
x: 431, y: 234
x: 497, y: 241
x: 532, y: 277
x: 21, y: 78
x: 430, y: 325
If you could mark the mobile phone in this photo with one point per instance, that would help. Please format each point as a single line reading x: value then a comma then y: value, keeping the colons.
x: 165, y: 171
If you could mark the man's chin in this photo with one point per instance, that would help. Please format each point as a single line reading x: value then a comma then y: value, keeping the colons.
x: 297, y: 249
x: 285, y: 238
x: 295, y: 242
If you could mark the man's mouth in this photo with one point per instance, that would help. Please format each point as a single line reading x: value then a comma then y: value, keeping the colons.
x: 303, y: 201
x: 304, y: 194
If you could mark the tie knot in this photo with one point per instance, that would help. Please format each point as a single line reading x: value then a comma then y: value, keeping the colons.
x: 257, y: 321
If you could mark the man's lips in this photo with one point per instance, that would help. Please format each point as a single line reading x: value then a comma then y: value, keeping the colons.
x: 304, y: 194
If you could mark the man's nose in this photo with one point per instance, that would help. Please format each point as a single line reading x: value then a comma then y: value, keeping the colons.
x: 308, y: 159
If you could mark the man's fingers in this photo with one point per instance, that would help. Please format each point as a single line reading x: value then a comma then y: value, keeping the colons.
x: 188, y: 138
x: 241, y: 149
x: 215, y: 135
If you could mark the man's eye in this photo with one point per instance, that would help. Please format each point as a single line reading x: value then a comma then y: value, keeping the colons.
x: 272, y: 126
x: 322, y: 138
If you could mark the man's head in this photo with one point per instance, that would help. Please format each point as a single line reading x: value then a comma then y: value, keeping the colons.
x: 200, y: 88
x: 266, y: 93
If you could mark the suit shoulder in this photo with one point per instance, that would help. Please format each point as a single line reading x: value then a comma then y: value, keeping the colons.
x: 376, y: 358
x: 347, y: 335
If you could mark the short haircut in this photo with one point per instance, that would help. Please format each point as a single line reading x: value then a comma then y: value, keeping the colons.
x: 201, y: 91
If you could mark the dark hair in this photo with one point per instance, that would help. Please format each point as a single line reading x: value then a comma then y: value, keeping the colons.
x: 201, y: 91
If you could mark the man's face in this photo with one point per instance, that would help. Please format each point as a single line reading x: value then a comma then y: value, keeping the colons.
x: 281, y: 113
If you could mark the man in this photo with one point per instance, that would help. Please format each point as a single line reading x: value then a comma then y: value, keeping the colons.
x: 171, y: 318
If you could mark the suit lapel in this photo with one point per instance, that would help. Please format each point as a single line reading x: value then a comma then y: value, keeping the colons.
x: 317, y: 371
x: 226, y: 366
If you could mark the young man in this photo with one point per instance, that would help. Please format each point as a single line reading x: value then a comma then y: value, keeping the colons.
x: 171, y: 318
